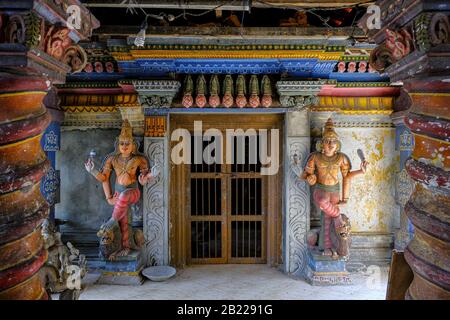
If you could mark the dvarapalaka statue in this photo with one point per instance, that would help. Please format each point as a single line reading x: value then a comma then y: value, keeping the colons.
x: 117, y: 237
x: 322, y: 171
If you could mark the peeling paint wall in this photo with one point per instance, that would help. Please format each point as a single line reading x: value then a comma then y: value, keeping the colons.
x: 372, y: 206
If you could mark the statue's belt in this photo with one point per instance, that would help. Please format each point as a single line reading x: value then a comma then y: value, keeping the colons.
x: 323, y: 187
x: 119, y: 188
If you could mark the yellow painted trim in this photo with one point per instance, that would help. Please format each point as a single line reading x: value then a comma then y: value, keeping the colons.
x: 24, y: 93
x: 227, y: 54
x: 89, y: 109
x: 433, y: 94
x: 20, y: 142
x: 385, y: 112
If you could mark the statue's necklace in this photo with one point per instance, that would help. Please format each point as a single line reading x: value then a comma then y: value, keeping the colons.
x: 124, y: 164
x: 331, y: 159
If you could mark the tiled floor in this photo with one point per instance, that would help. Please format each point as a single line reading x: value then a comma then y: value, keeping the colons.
x: 242, y: 282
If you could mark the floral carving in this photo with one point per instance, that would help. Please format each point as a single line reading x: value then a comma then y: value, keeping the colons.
x: 76, y: 58
x: 15, y: 31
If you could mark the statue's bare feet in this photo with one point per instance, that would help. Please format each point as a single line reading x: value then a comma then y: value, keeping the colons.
x: 124, y: 252
x: 335, y: 254
x: 327, y: 252
x: 112, y: 256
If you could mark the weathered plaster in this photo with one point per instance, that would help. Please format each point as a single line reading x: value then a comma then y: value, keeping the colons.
x: 372, y: 205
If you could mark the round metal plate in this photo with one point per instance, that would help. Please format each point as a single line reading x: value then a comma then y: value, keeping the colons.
x: 159, y: 273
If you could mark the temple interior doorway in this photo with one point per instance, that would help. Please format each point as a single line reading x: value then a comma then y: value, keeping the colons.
x: 225, y: 207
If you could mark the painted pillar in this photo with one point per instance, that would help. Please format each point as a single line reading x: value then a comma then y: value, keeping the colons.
x: 51, y: 143
x: 296, y: 95
x: 155, y: 97
x: 33, y: 55
x: 424, y: 68
x: 404, y: 144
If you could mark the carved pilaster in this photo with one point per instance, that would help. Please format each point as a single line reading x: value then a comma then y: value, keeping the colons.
x: 297, y: 203
x: 297, y: 206
x: 156, y: 221
x: 155, y: 97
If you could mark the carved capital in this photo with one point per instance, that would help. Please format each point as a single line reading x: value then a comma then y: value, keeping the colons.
x: 156, y: 94
x: 299, y: 94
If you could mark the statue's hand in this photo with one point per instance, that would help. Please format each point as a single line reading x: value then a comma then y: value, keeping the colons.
x: 89, y: 165
x: 112, y: 201
x: 145, y: 177
x: 155, y: 171
x: 364, y: 165
x: 312, y: 179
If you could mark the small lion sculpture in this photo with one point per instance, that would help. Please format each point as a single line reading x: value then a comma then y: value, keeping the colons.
x: 111, y: 239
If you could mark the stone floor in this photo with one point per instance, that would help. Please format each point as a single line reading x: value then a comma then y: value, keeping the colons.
x: 242, y: 282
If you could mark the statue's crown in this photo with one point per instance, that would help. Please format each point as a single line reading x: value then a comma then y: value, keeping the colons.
x: 328, y: 130
x: 127, y: 132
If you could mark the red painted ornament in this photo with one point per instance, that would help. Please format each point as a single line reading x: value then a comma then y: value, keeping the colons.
x: 200, y: 100
x: 241, y: 101
x: 254, y: 101
x: 227, y: 100
x: 188, y: 101
x: 89, y: 68
x: 214, y: 101
x: 266, y: 101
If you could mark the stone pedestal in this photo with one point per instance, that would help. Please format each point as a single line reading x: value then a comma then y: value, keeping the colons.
x: 122, y: 271
x: 325, y: 271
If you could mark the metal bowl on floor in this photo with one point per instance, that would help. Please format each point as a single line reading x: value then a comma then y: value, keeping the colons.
x: 159, y: 273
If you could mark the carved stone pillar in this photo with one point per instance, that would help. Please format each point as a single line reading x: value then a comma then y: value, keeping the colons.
x: 156, y: 97
x: 296, y: 213
x: 414, y: 48
x: 34, y: 53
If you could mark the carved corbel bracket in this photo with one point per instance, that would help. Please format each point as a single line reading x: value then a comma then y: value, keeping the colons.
x: 156, y: 94
x: 412, y: 42
x: 297, y: 94
x: 42, y: 31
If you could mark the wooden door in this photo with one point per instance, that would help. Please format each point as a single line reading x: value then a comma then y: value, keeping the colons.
x: 225, y: 213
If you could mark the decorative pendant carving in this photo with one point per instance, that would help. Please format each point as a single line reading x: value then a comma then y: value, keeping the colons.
x: 228, y: 91
x: 241, y: 89
x: 188, y: 101
x: 214, y: 89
